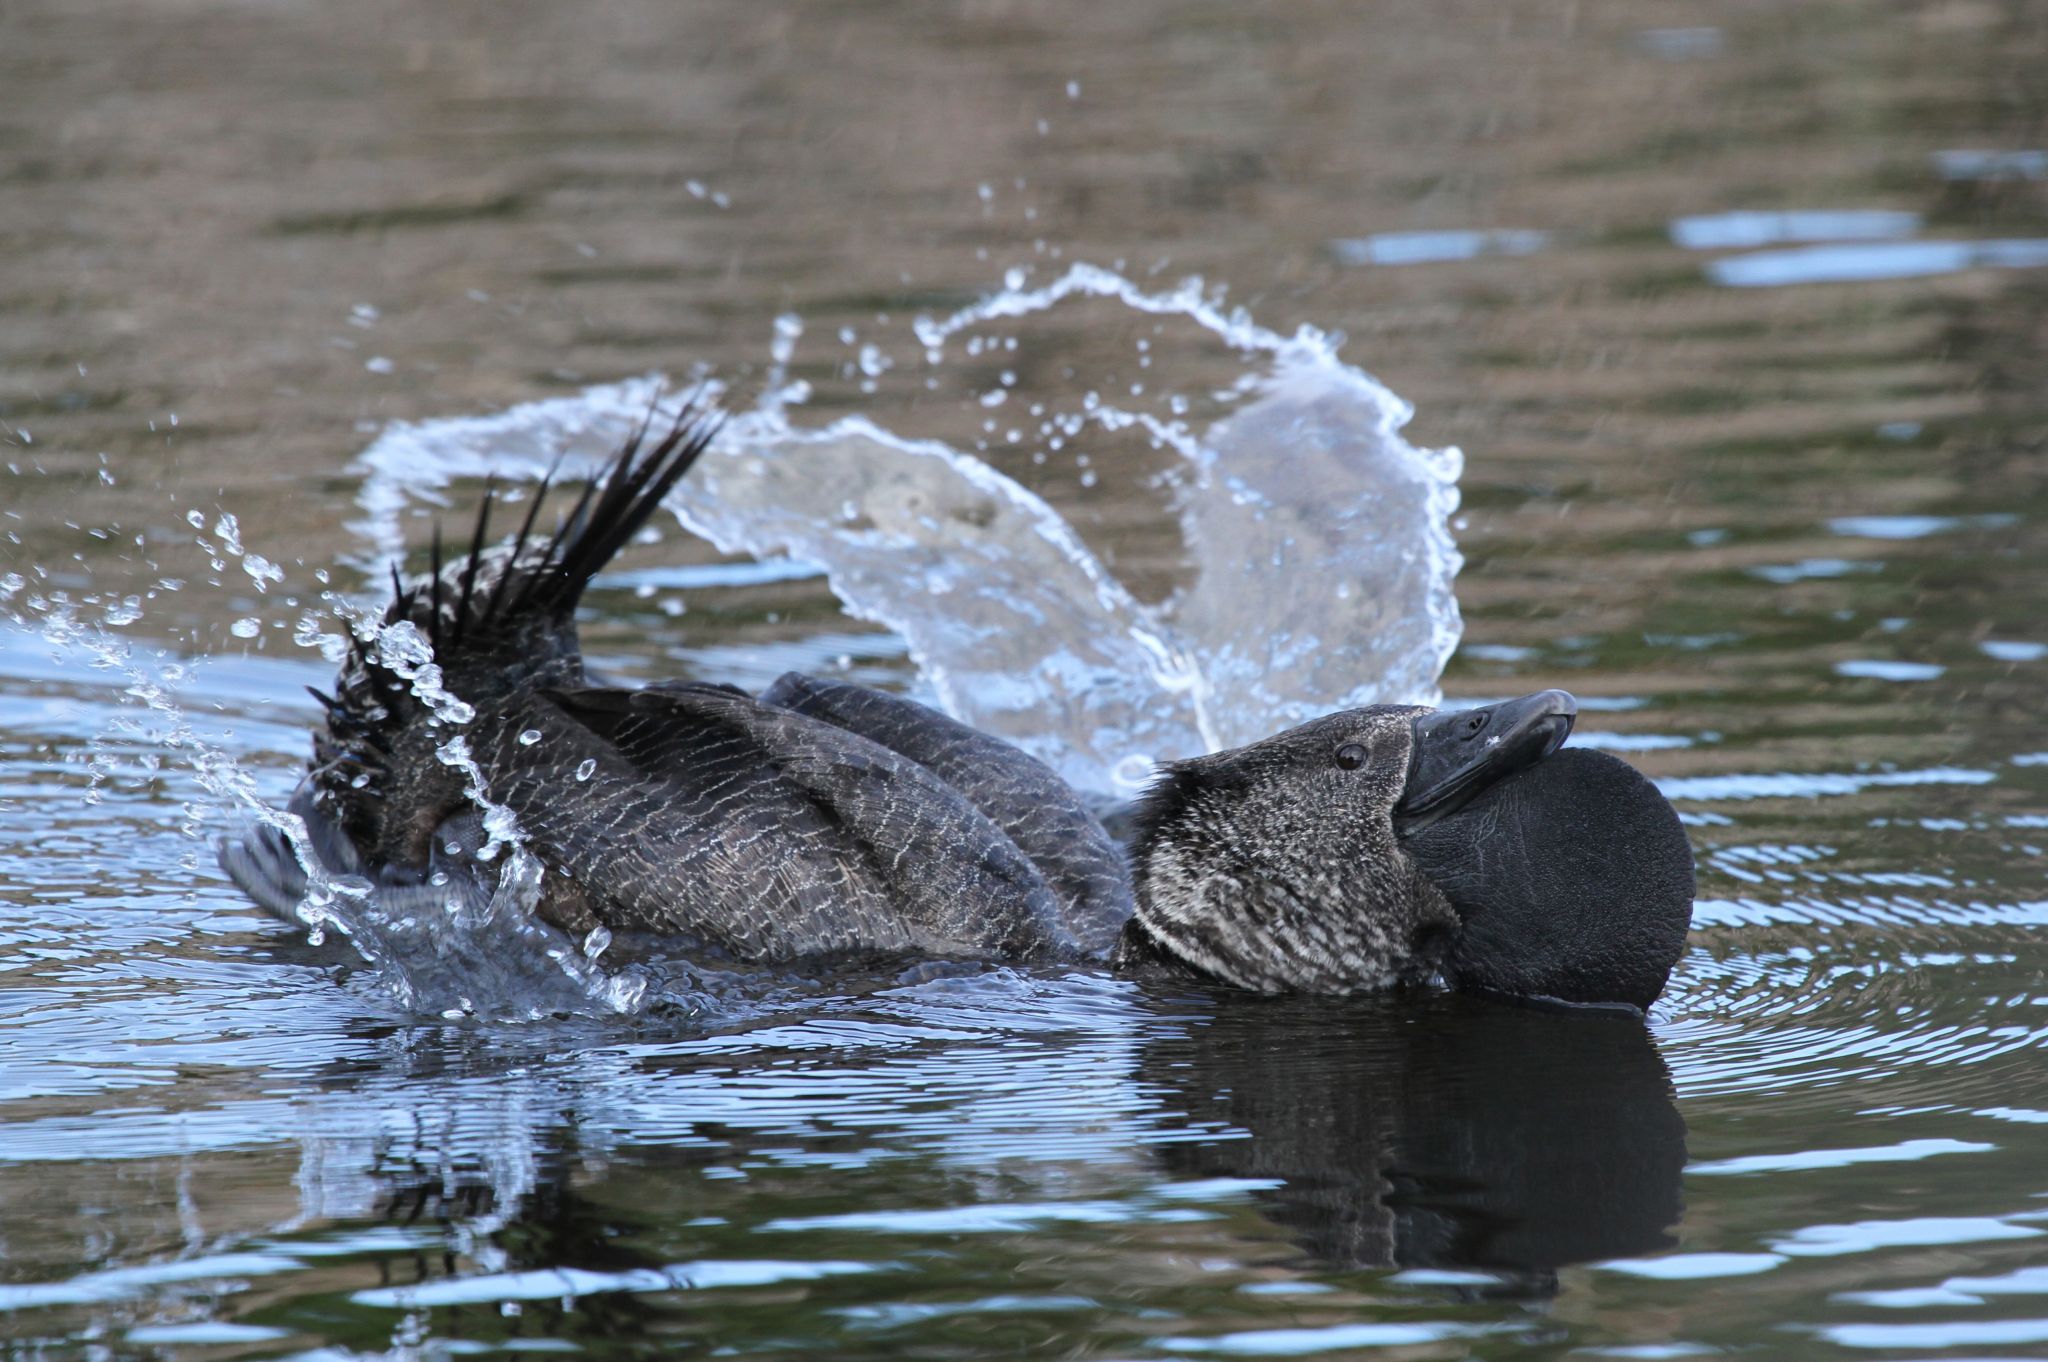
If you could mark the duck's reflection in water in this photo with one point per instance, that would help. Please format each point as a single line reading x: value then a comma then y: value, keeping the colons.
x: 1440, y: 1132
x: 1411, y: 1131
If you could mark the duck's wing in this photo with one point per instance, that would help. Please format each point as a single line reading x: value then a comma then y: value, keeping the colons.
x: 1037, y: 810
x: 700, y: 812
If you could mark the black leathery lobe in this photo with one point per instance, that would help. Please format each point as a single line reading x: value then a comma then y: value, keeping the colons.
x: 1572, y: 880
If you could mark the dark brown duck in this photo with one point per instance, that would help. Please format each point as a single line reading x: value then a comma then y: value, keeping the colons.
x: 1367, y: 848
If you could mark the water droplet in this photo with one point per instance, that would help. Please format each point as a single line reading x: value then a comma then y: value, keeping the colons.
x: 529, y: 737
x: 788, y: 327
x: 1133, y: 772
x: 246, y: 627
x: 594, y: 944
x: 587, y: 769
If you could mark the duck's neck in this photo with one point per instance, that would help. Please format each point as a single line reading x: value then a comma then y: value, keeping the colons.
x: 1271, y: 919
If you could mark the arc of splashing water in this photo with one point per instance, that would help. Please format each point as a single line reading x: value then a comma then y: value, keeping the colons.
x: 1395, y: 626
x: 1189, y: 299
x: 1314, y: 592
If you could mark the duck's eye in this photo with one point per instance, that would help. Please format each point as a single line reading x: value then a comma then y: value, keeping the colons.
x: 1351, y: 756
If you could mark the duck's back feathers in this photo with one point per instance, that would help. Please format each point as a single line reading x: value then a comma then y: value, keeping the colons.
x: 1038, y: 811
x: 714, y: 816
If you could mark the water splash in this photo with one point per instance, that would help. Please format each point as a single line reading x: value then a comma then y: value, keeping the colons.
x: 1318, y: 539
x: 485, y: 955
x: 1321, y: 574
x: 150, y: 684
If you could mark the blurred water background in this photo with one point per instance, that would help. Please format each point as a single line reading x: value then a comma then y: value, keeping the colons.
x: 1739, y: 314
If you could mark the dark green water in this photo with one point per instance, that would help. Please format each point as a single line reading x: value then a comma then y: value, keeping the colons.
x: 1737, y: 313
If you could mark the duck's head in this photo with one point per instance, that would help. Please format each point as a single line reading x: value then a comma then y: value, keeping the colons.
x: 1389, y: 843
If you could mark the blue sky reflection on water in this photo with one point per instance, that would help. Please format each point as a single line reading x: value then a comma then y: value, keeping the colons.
x: 1845, y: 263
x: 1730, y: 231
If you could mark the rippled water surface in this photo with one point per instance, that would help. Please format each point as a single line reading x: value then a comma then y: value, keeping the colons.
x: 1735, y: 312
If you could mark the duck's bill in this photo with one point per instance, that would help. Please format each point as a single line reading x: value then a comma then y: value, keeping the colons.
x: 1458, y: 754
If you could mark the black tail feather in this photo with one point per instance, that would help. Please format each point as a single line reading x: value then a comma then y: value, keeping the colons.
x: 606, y: 516
x: 540, y: 494
x: 475, y: 558
x: 608, y: 512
